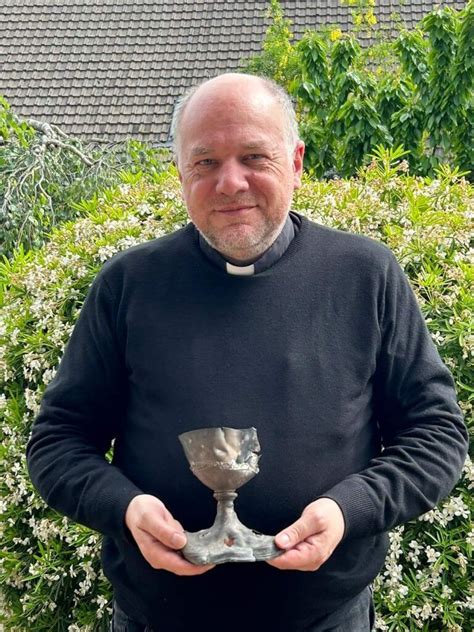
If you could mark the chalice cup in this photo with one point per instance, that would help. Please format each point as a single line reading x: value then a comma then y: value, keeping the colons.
x: 224, y: 459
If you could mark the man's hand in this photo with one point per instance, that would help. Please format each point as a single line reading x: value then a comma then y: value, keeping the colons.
x: 311, y: 540
x: 159, y: 536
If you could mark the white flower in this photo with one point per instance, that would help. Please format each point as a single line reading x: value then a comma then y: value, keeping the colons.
x: 124, y: 188
x: 431, y: 554
x: 106, y: 252
x: 446, y: 592
x: 426, y: 612
x: 31, y: 401
x: 455, y: 506
x: 380, y: 624
x: 437, y: 337
x: 83, y: 551
x: 462, y: 561
x: 101, y: 601
x: 144, y: 209
x: 48, y: 375
x: 470, y: 537
x: 429, y: 516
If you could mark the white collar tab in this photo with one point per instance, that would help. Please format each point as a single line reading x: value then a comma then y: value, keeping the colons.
x: 240, y: 270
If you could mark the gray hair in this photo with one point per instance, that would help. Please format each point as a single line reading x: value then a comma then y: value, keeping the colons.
x: 276, y: 91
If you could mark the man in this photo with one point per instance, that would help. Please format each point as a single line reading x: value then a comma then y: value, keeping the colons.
x: 249, y: 316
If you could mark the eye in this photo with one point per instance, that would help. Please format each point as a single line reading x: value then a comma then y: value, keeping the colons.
x: 254, y: 157
x: 205, y: 162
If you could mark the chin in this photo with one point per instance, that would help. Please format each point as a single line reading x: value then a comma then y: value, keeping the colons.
x: 240, y: 242
x: 243, y: 252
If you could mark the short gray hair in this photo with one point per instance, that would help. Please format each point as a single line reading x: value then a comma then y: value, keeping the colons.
x: 276, y: 91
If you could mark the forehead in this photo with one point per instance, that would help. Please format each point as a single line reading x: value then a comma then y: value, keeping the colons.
x: 231, y: 116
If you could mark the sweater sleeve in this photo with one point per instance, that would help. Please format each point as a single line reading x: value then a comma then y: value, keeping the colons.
x: 80, y: 414
x: 424, y: 439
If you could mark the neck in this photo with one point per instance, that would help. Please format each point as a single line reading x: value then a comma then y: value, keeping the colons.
x: 249, y: 255
x: 242, y: 262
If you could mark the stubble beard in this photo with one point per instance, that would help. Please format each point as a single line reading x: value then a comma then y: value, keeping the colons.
x: 244, y: 243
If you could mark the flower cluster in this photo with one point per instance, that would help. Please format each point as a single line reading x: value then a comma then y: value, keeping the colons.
x: 50, y: 578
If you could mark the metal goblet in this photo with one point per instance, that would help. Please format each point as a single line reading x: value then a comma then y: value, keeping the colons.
x: 224, y: 459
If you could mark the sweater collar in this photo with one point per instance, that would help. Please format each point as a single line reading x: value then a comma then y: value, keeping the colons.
x: 269, y: 257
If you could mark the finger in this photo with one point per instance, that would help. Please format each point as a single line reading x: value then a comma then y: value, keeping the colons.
x: 297, y: 532
x: 306, y: 556
x: 174, y: 563
x: 160, y: 557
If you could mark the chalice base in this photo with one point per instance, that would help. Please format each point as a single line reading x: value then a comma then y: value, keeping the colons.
x: 228, y: 540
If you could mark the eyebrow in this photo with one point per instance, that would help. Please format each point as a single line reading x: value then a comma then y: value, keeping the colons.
x: 201, y: 150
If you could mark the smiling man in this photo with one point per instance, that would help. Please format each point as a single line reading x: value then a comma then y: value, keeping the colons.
x: 239, y: 165
x: 249, y: 316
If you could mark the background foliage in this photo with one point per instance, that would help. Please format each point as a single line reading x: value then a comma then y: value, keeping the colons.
x: 49, y: 568
x: 415, y: 96
x: 415, y: 92
x: 44, y: 174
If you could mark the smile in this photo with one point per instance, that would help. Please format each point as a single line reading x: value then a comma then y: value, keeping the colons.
x: 231, y: 210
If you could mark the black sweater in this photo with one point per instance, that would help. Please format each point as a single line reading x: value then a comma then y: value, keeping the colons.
x: 326, y: 353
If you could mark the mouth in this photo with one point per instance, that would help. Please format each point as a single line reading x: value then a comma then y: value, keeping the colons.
x: 234, y: 210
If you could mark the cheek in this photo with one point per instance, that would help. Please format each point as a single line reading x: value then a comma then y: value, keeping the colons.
x: 263, y: 183
x: 271, y: 182
x: 195, y: 191
x: 198, y: 201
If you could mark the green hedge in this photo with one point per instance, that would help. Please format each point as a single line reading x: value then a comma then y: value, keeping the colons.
x: 50, y: 580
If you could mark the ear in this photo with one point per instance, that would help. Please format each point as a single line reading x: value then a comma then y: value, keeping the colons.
x: 298, y: 164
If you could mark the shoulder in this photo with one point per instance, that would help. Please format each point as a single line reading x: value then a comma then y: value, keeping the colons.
x: 155, y: 256
x: 348, y: 250
x: 161, y: 247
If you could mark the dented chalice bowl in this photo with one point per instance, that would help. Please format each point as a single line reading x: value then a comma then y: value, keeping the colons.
x: 222, y: 458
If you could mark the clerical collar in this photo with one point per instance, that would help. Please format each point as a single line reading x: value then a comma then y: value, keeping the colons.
x: 269, y: 257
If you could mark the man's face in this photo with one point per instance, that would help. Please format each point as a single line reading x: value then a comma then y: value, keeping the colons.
x: 236, y: 170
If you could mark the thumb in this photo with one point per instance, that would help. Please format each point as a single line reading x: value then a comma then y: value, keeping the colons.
x: 147, y: 514
x: 295, y: 533
x: 171, y: 534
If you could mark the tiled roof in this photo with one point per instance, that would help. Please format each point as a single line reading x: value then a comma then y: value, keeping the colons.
x: 113, y: 69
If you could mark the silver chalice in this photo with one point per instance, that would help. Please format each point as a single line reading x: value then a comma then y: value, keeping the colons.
x: 224, y: 459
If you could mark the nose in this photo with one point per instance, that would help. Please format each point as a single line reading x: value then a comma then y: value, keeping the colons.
x: 231, y: 178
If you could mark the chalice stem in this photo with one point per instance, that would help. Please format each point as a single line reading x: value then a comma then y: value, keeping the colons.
x: 226, y: 519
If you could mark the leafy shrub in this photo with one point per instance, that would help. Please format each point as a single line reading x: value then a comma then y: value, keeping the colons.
x: 44, y: 174
x: 416, y: 91
x: 49, y: 570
